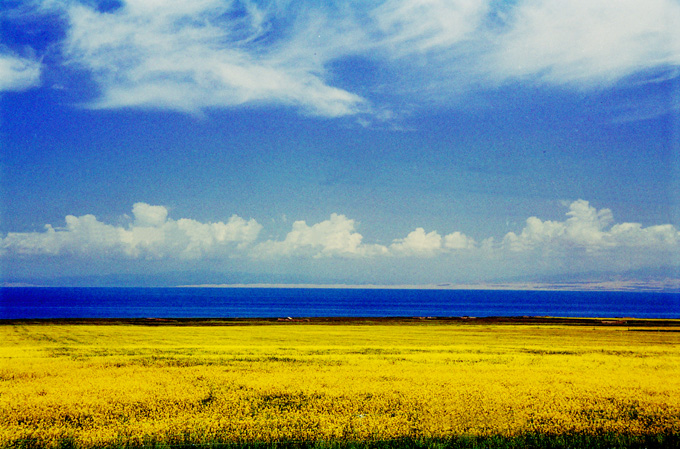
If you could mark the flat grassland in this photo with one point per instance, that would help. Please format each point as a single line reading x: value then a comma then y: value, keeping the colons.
x: 344, y: 384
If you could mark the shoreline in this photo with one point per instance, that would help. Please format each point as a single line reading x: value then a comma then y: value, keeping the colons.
x: 462, y: 320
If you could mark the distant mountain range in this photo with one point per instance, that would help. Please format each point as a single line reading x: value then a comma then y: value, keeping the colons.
x: 667, y: 279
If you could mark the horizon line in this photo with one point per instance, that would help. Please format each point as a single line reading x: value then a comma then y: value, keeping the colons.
x: 666, y: 285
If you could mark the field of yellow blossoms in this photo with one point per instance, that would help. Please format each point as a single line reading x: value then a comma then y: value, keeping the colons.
x: 86, y: 385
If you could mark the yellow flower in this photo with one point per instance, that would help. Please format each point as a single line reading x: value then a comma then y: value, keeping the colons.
x: 104, y: 384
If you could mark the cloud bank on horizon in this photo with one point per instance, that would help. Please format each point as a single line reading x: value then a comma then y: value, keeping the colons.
x: 195, y: 55
x: 150, y: 234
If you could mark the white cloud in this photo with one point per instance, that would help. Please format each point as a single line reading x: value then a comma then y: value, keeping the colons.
x: 586, y: 225
x: 81, y: 235
x: 146, y: 215
x: 337, y: 237
x: 152, y: 235
x: 329, y: 238
x: 192, y: 55
x: 418, y: 243
x: 587, y: 239
x: 586, y: 41
x: 589, y: 229
x: 662, y: 237
x: 457, y: 240
x: 18, y: 73
x: 409, y: 27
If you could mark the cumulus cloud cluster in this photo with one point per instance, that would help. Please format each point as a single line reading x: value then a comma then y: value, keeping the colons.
x: 590, y: 230
x: 190, y: 55
x: 150, y: 234
x: 424, y: 244
x: 334, y: 237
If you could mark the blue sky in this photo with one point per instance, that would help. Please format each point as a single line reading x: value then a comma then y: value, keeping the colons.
x: 386, y: 142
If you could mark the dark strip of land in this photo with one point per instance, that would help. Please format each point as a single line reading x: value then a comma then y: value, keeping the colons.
x: 668, y: 325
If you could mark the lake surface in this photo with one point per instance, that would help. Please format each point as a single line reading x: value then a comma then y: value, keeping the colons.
x: 106, y: 302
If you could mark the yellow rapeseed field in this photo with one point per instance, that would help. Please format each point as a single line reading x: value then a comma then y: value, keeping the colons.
x: 97, y: 385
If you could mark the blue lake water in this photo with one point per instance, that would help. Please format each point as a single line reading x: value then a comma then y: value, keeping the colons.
x: 106, y: 302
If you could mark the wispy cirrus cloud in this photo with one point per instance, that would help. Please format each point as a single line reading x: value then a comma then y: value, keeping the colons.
x: 407, y: 28
x: 585, y: 42
x: 17, y: 73
x: 189, y: 56
x: 195, y: 55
